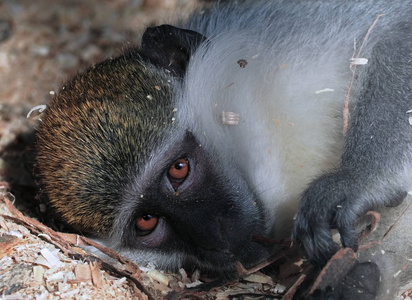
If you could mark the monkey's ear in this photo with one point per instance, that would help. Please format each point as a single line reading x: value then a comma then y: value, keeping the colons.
x: 170, y: 47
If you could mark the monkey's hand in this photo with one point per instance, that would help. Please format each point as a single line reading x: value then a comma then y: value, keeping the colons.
x: 336, y: 200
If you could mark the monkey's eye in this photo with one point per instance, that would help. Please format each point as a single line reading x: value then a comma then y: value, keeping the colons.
x: 178, y: 172
x: 146, y: 224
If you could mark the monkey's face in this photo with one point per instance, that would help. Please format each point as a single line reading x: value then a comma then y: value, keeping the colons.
x: 114, y: 162
x: 186, y: 211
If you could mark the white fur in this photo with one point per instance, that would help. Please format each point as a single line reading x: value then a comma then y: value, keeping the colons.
x: 270, y: 105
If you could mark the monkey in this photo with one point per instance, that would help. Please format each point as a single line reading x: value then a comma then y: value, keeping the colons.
x: 229, y: 126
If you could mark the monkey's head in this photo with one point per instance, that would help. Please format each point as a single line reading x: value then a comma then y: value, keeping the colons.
x: 114, y: 162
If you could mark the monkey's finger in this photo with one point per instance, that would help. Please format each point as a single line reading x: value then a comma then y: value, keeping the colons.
x: 345, y: 220
x: 316, y: 239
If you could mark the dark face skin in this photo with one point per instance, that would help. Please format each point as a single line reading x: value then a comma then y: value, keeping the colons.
x: 185, y: 204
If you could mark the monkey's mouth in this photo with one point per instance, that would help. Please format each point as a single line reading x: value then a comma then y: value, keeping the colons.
x: 227, y: 263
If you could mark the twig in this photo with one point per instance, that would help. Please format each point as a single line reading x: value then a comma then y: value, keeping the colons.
x: 346, y: 105
x: 373, y: 243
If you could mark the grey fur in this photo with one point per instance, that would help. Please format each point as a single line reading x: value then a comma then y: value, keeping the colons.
x: 292, y: 49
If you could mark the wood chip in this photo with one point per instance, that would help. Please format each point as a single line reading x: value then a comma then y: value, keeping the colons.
x: 83, y: 273
x: 97, y: 278
x: 158, y: 276
x: 259, y: 277
x: 7, y: 243
x: 38, y: 272
x: 51, y: 258
x: 230, y: 118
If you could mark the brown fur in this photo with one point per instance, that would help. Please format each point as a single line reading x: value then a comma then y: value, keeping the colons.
x: 106, y: 109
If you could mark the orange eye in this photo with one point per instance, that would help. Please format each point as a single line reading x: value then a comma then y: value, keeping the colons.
x: 179, y: 169
x: 147, y: 223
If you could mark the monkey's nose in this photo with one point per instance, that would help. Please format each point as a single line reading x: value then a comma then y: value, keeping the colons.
x: 209, y: 233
